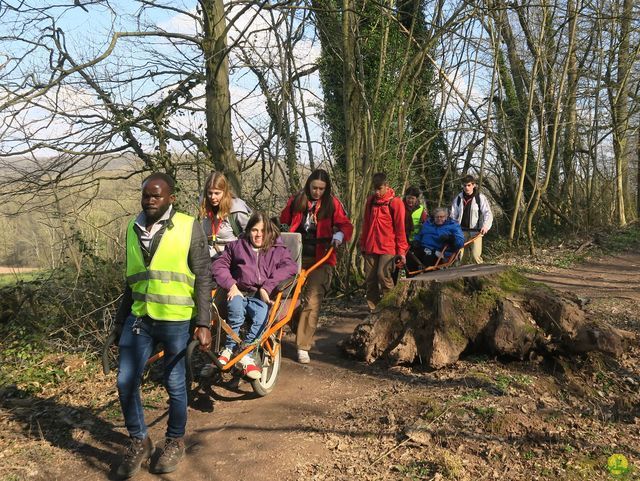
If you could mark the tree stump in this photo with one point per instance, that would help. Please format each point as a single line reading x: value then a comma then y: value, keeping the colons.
x: 435, y: 317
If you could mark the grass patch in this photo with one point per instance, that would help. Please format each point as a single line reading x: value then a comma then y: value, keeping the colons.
x: 13, y: 278
x: 432, y: 410
x: 473, y: 395
x: 449, y: 464
x: 568, y: 260
x: 416, y: 470
x: 504, y: 381
x: 485, y: 413
x: 513, y: 281
x: 389, y: 299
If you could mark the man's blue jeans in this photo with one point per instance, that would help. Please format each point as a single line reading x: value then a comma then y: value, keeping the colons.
x: 239, y: 307
x: 135, y: 349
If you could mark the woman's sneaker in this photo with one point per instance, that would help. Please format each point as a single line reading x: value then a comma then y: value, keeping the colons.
x: 225, y: 355
x: 208, y: 369
x: 249, y: 368
x: 303, y: 356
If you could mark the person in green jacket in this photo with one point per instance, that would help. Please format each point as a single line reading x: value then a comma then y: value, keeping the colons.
x: 415, y: 216
x: 415, y: 212
x: 167, y: 286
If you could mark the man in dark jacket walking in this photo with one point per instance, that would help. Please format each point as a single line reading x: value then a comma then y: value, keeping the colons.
x: 168, y: 284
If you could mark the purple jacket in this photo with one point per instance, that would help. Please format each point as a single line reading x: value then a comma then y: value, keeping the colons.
x: 240, y: 264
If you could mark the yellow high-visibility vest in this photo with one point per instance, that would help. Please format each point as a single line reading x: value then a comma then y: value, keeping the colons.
x: 416, y: 217
x: 165, y: 290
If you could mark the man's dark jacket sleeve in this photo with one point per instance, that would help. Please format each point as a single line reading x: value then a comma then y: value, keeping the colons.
x: 200, y: 264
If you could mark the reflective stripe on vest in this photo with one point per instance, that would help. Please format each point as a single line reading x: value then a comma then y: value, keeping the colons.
x: 416, y: 218
x: 164, y: 290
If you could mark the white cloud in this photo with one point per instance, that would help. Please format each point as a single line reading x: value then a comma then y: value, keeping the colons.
x: 181, y: 23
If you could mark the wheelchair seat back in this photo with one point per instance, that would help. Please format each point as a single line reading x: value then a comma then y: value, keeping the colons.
x: 293, y: 241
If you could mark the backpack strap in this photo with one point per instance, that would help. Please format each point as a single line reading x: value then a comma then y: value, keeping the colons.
x: 388, y: 204
x: 207, y: 225
x: 477, y: 196
x: 235, y: 225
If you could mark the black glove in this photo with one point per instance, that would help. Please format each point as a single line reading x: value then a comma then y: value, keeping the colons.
x: 449, y: 239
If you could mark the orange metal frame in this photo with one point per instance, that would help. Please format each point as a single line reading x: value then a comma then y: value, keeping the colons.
x: 273, y: 325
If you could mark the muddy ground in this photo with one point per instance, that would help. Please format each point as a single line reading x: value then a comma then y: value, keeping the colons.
x: 337, y: 419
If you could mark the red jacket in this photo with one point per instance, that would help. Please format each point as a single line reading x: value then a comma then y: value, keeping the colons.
x: 324, y: 228
x: 383, y: 229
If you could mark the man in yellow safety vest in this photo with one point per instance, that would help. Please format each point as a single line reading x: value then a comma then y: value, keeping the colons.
x: 168, y: 285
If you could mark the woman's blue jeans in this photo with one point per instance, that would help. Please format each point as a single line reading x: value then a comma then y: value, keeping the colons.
x: 239, y: 307
x: 136, y: 345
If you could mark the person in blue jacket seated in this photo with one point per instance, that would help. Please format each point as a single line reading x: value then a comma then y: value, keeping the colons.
x: 436, y: 233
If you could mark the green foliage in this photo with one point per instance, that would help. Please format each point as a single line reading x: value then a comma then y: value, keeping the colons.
x: 485, y: 413
x: 624, y: 239
x: 383, y: 51
x: 417, y: 470
x: 62, y: 308
x: 31, y: 366
x: 503, y: 381
x: 474, y: 395
x: 25, y: 365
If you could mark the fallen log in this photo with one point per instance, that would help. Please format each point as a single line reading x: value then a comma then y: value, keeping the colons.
x: 435, y: 317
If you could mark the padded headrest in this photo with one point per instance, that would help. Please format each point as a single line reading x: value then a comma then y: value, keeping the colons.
x: 293, y: 241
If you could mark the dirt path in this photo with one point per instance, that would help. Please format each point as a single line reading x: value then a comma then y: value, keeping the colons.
x: 239, y: 436
x: 612, y: 277
x: 16, y: 270
x: 337, y: 419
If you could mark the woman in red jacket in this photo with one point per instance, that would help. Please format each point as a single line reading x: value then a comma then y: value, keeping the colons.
x: 322, y: 221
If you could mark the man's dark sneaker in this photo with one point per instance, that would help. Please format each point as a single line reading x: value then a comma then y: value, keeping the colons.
x: 169, y: 457
x: 138, y: 452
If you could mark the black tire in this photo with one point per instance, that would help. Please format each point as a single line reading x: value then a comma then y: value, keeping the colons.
x: 196, y: 360
x: 110, y: 353
x: 270, y: 369
x: 110, y: 358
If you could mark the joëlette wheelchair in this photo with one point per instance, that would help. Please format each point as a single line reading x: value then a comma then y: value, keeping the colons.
x: 267, y: 349
x: 110, y: 346
x: 442, y: 262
